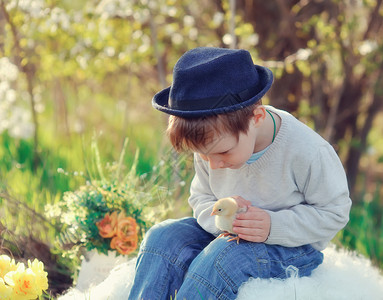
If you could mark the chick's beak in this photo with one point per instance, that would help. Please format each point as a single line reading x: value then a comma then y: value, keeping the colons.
x: 214, y: 212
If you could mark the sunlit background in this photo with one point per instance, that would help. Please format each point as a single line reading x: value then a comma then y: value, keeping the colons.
x: 73, y: 72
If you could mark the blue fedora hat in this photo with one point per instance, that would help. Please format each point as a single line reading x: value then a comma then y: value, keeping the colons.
x: 208, y: 81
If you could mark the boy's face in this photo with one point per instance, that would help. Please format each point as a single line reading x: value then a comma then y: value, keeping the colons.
x: 226, y: 151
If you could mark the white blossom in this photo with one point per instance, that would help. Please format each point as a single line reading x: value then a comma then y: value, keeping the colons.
x: 367, y: 47
x: 137, y: 34
x: 172, y: 11
x: 109, y: 51
x: 20, y: 125
x: 218, y: 18
x: 227, y: 39
x: 82, y: 62
x: 8, y: 71
x: 177, y: 38
x: 303, y: 54
x: 193, y: 33
x: 189, y: 21
x: 253, y: 39
x: 14, y: 116
x: 35, y: 8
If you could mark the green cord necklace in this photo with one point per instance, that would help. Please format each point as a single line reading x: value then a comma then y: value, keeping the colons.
x: 275, y: 127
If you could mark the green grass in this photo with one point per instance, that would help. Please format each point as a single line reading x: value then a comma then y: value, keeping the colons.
x: 364, y: 232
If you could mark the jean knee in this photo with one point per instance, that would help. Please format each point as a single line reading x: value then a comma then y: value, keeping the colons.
x: 159, y: 233
x: 176, y: 233
x: 314, y: 258
x: 237, y: 263
x: 230, y: 263
x: 177, y: 241
x: 299, y: 261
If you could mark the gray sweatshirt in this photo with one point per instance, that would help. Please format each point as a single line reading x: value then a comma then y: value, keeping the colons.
x: 299, y: 181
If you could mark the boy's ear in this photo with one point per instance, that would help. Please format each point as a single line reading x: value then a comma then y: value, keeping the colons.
x: 259, y: 115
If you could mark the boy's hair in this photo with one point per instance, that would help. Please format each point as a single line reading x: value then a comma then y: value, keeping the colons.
x: 196, y: 133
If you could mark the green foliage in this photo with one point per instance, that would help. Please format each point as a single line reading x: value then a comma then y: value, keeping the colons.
x: 28, y: 189
x: 16, y: 165
x: 364, y: 231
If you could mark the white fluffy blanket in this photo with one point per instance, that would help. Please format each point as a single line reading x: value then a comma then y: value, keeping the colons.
x: 342, y: 275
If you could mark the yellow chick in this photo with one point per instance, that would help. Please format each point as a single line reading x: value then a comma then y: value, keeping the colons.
x: 225, y: 211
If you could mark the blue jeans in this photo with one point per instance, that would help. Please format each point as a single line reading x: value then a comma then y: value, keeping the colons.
x: 178, y: 257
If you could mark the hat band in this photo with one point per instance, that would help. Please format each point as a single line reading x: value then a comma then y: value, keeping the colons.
x: 226, y: 101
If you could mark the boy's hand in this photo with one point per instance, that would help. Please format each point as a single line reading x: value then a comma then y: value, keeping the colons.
x: 242, y: 202
x: 253, y: 225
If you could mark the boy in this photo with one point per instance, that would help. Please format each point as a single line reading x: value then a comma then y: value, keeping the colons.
x: 288, y: 177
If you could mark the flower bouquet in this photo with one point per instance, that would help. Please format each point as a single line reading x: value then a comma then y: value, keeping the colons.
x: 20, y: 283
x: 112, y: 209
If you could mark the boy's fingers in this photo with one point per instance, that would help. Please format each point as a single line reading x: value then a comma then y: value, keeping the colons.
x: 253, y: 213
x: 241, y: 201
x: 248, y: 224
x: 251, y: 231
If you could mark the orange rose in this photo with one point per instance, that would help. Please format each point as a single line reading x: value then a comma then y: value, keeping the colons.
x: 107, y: 226
x: 126, y: 238
x: 126, y: 227
x: 124, y: 246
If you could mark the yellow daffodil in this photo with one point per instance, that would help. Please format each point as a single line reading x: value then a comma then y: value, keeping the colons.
x: 37, y: 267
x: 23, y: 283
x: 5, y: 290
x: 19, y: 283
x: 6, y: 265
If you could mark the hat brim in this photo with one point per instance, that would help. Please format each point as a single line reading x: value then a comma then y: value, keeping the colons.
x: 161, y: 99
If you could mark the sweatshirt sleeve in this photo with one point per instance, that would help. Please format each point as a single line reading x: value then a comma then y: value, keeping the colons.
x: 325, y: 209
x: 201, y: 197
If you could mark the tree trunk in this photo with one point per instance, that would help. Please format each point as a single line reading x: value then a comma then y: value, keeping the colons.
x: 355, y: 152
x: 61, y: 110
